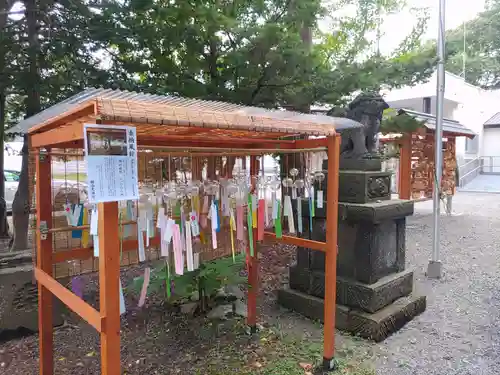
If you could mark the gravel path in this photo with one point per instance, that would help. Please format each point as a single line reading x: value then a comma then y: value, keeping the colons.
x: 457, y: 335
x: 459, y: 332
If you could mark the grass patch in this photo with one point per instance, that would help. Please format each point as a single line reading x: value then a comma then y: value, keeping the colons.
x: 276, y: 354
x: 70, y: 176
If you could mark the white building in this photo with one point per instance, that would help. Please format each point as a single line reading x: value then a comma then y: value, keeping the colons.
x: 470, y: 105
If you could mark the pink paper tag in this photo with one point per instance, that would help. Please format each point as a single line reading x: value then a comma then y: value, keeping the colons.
x: 178, y: 256
x: 214, y: 239
x: 145, y: 284
x: 260, y: 219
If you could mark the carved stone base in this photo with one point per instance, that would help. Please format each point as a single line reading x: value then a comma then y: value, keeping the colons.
x: 364, y: 187
x: 352, y: 293
x: 375, y: 326
x: 19, y: 300
x: 374, y: 164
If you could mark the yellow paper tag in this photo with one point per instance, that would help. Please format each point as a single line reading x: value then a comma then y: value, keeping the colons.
x: 85, y: 232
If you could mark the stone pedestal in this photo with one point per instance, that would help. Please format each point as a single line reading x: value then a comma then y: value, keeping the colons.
x: 19, y: 297
x: 374, y: 291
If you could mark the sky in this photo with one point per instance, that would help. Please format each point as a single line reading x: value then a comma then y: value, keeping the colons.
x: 457, y: 11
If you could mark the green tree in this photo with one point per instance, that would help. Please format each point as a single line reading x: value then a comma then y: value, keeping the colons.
x: 253, y: 52
x: 482, y: 48
x: 51, y: 56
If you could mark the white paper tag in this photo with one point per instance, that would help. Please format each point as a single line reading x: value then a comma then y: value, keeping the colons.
x: 68, y: 213
x: 275, y: 209
x: 142, y: 221
x: 94, y: 223
x: 254, y: 203
x: 169, y: 230
x: 196, y: 260
x: 195, y: 227
x: 161, y: 216
x: 294, y: 193
x: 95, y: 238
x: 76, y: 214
x: 141, y: 250
x: 319, y: 198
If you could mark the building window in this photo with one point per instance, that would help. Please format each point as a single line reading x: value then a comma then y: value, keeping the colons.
x: 472, y: 145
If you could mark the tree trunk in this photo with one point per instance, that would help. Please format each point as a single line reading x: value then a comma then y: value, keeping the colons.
x: 21, y: 206
x: 4, y: 226
x: 4, y: 8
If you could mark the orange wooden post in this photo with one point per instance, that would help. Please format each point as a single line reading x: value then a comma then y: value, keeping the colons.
x: 253, y: 262
x: 332, y: 212
x: 404, y: 182
x: 109, y: 287
x: 44, y: 261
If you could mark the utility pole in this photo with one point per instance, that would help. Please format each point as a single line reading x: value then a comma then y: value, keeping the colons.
x: 434, y: 269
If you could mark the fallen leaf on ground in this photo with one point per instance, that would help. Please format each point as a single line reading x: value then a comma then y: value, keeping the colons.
x: 306, y: 366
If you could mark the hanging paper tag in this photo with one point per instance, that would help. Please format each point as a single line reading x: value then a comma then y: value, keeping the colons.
x: 161, y: 216
x: 232, y: 227
x: 276, y: 205
x: 140, y: 240
x: 313, y: 214
x: 294, y: 193
x: 250, y: 229
x: 299, y: 214
x: 77, y: 220
x: 213, y: 216
x: 319, y: 198
x: 94, y: 222
x: 287, y: 208
x: 68, y: 213
x: 214, y: 239
x: 122, y: 300
x: 169, y: 230
x: 218, y: 216
x: 145, y: 284
x: 85, y: 233
x: 196, y: 260
x: 260, y: 219
x: 254, y: 211
x: 75, y: 217
x: 240, y: 233
x: 277, y: 221
x: 189, y: 247
x: 195, y: 228
x: 95, y: 240
x: 163, y: 243
x: 178, y: 256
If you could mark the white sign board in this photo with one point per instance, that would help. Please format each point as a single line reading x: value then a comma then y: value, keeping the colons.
x: 111, y: 155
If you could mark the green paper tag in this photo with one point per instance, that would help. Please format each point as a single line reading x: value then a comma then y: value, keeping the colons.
x: 277, y: 223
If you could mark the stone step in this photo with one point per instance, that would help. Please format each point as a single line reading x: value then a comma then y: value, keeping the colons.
x: 373, y: 326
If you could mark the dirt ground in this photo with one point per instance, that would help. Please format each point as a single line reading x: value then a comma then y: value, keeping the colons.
x: 158, y: 340
x: 457, y: 335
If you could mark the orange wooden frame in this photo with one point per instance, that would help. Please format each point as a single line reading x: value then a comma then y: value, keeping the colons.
x: 107, y: 320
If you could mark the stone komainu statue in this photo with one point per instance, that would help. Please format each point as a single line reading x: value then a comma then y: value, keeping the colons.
x: 367, y: 109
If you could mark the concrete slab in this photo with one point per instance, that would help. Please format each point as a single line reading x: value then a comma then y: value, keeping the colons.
x: 483, y: 183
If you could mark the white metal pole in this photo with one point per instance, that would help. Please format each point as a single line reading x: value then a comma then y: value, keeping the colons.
x: 434, y: 269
